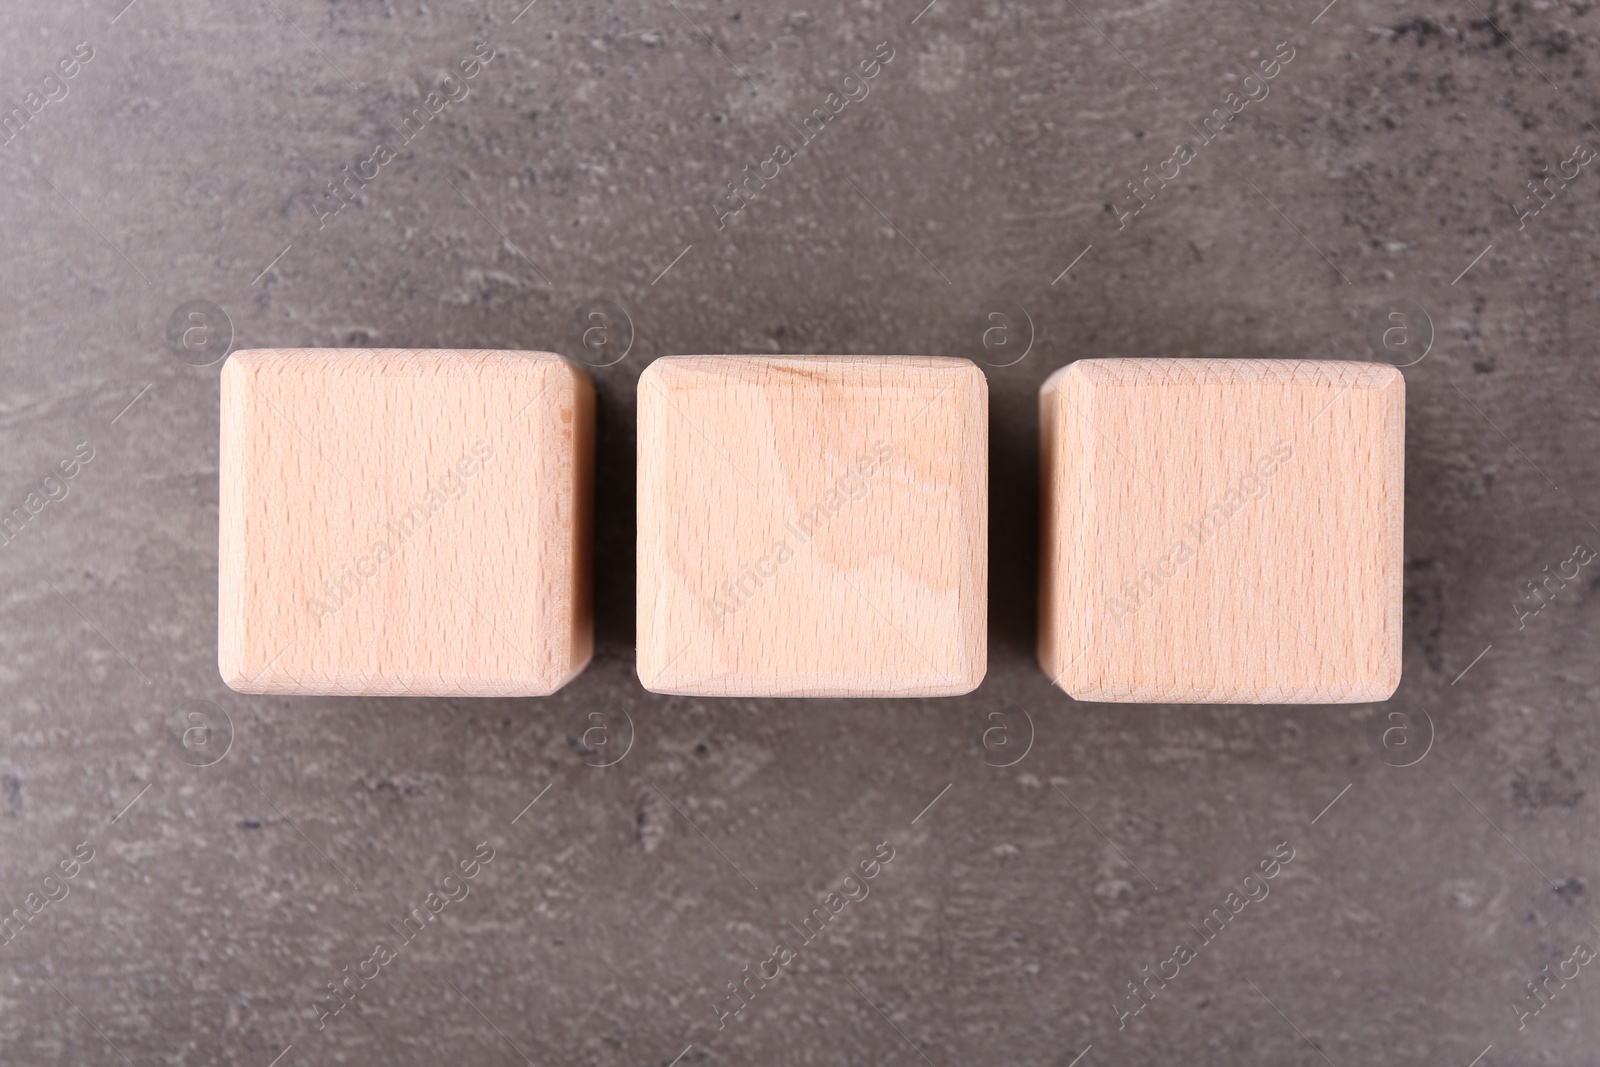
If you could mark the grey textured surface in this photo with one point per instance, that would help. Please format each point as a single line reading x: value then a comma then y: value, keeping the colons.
x: 220, y: 900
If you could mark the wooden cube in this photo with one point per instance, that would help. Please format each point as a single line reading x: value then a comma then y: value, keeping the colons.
x: 812, y: 525
x: 1222, y: 531
x: 404, y: 523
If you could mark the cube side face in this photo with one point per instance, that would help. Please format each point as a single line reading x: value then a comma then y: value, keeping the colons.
x: 812, y: 526
x: 403, y: 523
x: 578, y: 624
x: 1065, y: 498
x: 1241, y: 539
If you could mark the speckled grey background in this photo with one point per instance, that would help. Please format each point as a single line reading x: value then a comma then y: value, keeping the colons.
x: 1385, y: 164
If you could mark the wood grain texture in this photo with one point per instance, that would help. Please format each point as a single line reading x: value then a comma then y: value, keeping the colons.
x: 812, y: 525
x: 404, y: 523
x: 1222, y: 531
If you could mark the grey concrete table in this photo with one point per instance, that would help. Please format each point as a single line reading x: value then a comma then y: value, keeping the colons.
x: 199, y: 159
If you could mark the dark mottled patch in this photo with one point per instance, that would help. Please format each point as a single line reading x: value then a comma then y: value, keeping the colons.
x: 11, y: 789
x: 1420, y: 28
x: 1496, y: 36
x: 1558, y: 43
x: 649, y: 821
x: 1550, y: 785
x: 1424, y: 609
x: 403, y: 786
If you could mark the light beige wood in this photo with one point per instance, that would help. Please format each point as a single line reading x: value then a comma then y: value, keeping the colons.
x: 812, y: 525
x: 1222, y: 531
x: 404, y: 523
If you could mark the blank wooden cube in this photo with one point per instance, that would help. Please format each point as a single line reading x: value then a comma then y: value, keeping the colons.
x: 812, y: 526
x: 1222, y: 531
x: 404, y: 523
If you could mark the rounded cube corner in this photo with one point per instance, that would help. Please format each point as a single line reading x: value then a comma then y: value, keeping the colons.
x: 968, y: 684
x: 242, y: 365
x: 234, y: 675
x: 1061, y: 376
x: 656, y: 372
x: 652, y: 678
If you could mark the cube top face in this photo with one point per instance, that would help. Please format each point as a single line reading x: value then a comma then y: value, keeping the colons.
x: 409, y: 523
x: 812, y: 526
x: 1223, y: 531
